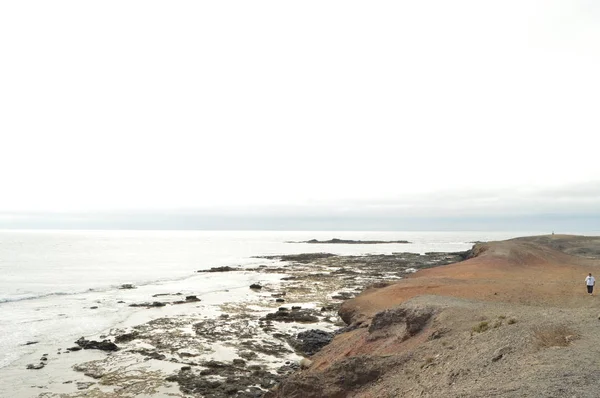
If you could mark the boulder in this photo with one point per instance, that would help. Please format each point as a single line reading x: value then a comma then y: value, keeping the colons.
x: 104, y: 345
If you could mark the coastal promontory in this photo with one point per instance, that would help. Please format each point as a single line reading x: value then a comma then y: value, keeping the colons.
x: 512, y: 320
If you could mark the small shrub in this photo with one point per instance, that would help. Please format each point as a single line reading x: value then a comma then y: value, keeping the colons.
x: 554, y: 336
x: 497, y: 324
x: 481, y: 327
x: 511, y: 321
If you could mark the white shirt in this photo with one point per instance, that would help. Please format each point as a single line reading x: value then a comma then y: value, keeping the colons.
x: 590, y: 280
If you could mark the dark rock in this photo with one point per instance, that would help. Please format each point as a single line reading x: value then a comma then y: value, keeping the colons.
x: 232, y: 382
x: 311, y: 341
x: 38, y: 366
x: 239, y: 362
x: 148, y: 305
x: 293, y: 316
x: 127, y: 337
x: 268, y: 347
x: 184, y: 368
x: 73, y: 349
x: 296, y: 307
x: 120, y: 302
x: 150, y: 354
x: 127, y: 286
x: 341, y: 379
x: 191, y: 298
x: 104, y: 345
x: 31, y: 342
x: 219, y: 269
x: 279, y: 300
x: 214, y: 364
x: 248, y: 355
x: 255, y: 286
x: 94, y: 307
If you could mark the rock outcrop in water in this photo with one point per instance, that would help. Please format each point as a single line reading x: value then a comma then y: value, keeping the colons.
x: 265, y: 344
x: 104, y: 345
x: 354, y: 242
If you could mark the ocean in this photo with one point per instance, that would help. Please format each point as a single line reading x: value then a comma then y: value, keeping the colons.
x: 51, y: 280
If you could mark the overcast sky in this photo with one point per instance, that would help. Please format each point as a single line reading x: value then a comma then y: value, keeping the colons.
x: 272, y: 109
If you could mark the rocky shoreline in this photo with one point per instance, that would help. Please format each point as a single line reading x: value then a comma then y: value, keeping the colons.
x: 239, y: 349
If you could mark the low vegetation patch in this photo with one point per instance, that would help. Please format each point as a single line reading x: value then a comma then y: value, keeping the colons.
x: 481, y: 327
x: 554, y: 335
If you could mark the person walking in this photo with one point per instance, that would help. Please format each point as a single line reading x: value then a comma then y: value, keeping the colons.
x: 590, y: 281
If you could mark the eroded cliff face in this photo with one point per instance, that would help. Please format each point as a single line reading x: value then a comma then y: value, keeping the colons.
x: 512, y: 321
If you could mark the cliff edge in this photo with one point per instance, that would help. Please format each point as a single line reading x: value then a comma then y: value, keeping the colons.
x: 514, y: 320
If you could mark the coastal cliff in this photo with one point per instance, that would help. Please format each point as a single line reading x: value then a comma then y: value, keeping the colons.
x: 513, y: 320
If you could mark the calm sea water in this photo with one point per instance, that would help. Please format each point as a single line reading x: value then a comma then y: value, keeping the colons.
x: 50, y: 279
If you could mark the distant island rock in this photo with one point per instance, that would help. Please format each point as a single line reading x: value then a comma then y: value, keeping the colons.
x: 353, y: 242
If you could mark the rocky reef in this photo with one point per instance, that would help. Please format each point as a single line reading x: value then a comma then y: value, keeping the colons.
x: 242, y: 349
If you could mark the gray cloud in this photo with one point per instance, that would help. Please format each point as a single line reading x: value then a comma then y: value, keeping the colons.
x: 575, y: 207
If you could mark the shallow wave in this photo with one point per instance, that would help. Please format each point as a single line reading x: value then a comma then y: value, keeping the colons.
x: 38, y: 296
x: 34, y: 296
